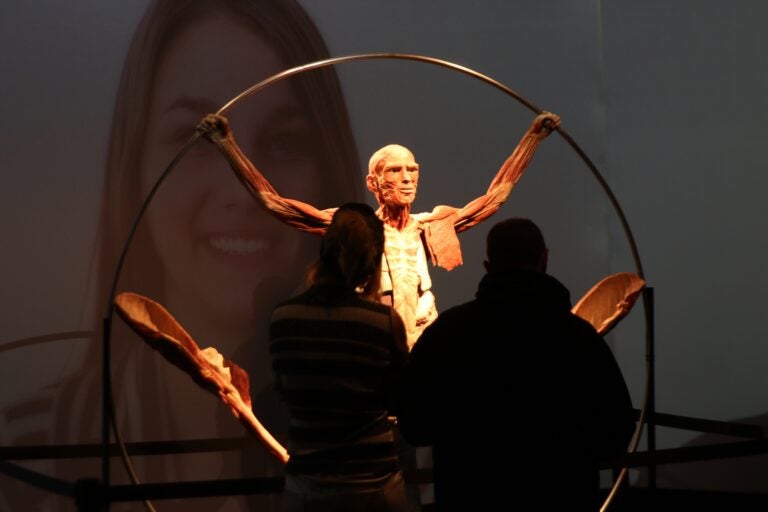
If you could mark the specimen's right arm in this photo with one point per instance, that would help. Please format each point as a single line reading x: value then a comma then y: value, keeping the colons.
x: 303, y: 216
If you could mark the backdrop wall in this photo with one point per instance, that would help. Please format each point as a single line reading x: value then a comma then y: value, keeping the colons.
x: 666, y: 98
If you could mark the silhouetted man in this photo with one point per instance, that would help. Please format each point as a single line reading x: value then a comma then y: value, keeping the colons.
x: 514, y: 380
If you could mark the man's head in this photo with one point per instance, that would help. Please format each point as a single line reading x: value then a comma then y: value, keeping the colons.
x: 516, y: 244
x: 393, y: 176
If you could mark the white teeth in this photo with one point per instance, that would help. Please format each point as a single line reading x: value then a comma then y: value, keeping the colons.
x: 239, y: 246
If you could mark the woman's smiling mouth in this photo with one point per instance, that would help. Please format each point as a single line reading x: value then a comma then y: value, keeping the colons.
x: 238, y: 246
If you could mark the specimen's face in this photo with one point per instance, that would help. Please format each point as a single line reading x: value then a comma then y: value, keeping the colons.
x: 398, y: 177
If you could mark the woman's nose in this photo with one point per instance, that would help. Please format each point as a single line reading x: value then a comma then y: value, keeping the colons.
x: 228, y: 192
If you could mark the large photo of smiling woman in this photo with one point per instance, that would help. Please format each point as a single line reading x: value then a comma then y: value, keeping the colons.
x: 204, y: 249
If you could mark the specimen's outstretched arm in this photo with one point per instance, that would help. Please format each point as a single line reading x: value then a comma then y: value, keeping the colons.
x: 303, y: 216
x: 510, y: 172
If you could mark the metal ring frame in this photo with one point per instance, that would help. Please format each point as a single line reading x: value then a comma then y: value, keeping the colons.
x: 107, y: 404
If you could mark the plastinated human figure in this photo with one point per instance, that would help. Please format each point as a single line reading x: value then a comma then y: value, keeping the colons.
x: 393, y: 177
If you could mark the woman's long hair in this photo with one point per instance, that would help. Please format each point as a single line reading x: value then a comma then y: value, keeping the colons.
x: 297, y: 40
x: 350, y: 252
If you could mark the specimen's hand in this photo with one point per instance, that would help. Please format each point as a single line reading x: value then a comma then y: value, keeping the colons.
x: 214, y: 127
x: 544, y: 123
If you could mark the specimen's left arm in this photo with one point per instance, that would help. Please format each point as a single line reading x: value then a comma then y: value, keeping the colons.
x: 510, y: 172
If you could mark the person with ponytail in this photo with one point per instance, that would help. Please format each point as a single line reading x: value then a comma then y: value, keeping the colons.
x: 336, y: 352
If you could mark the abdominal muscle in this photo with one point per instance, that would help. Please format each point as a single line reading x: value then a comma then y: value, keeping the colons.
x: 405, y: 277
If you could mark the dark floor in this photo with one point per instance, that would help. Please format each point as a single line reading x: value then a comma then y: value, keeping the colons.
x: 662, y: 500
x: 638, y: 499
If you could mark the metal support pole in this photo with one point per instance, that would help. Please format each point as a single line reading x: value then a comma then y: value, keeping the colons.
x: 650, y: 357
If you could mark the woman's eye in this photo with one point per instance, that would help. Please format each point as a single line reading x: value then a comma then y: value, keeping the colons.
x: 288, y: 145
x: 175, y: 135
x: 178, y: 134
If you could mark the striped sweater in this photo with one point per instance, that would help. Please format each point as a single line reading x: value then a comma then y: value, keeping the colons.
x: 336, y: 360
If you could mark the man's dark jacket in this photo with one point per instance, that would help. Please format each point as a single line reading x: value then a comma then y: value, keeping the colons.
x: 520, y: 399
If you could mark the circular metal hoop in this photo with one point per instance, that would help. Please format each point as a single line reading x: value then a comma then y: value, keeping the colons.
x: 341, y: 60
